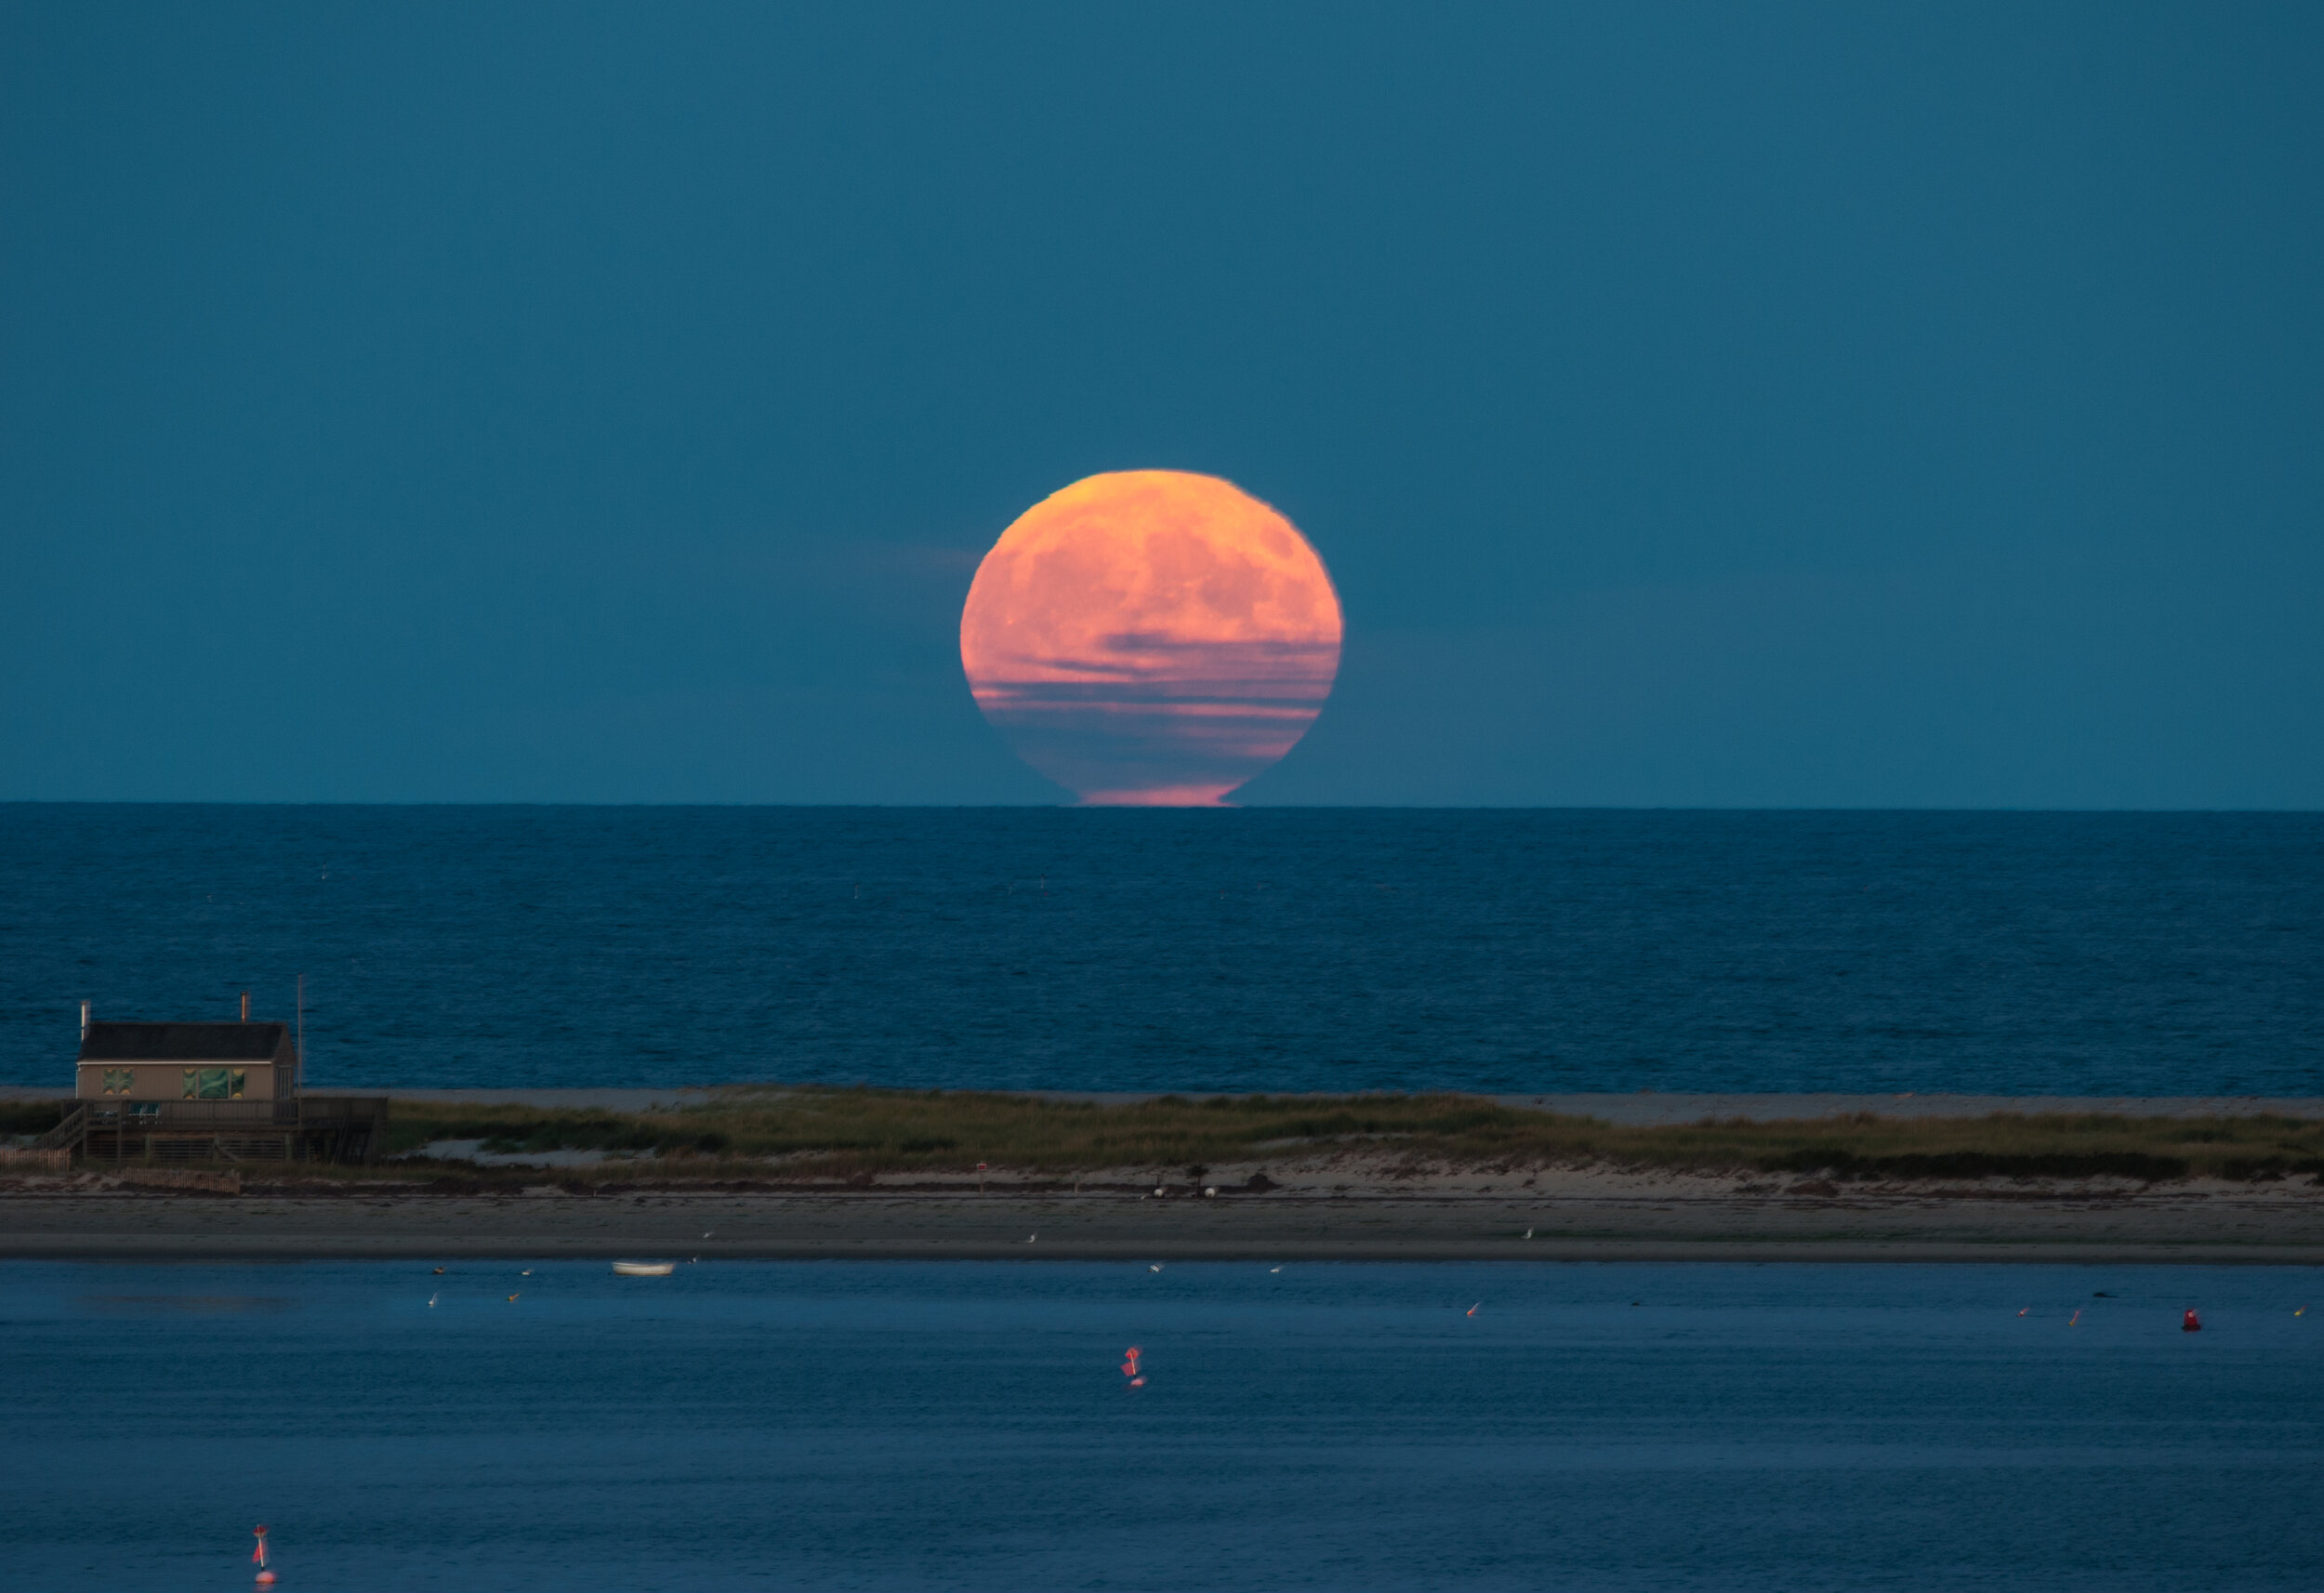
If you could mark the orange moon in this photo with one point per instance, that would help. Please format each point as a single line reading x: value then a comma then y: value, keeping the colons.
x: 1153, y: 637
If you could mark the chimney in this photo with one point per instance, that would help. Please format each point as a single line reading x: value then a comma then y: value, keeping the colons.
x: 84, y: 1021
x: 246, y: 1006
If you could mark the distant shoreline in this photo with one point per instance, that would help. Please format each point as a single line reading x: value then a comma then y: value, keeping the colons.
x: 815, y: 1173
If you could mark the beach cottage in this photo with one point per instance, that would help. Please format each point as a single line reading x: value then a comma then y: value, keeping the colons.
x: 207, y: 1092
x: 187, y: 1061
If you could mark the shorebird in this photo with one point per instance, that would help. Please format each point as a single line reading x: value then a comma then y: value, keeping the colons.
x: 1528, y: 1233
x: 1031, y: 1237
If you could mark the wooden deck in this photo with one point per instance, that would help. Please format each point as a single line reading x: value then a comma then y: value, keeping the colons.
x: 303, y: 1128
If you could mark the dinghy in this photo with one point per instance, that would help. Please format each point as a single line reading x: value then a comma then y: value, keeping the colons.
x: 645, y: 1268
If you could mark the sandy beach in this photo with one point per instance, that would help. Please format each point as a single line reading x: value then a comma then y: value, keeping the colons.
x: 1318, y: 1211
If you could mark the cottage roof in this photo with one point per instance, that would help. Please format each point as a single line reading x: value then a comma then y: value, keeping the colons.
x: 183, y: 1042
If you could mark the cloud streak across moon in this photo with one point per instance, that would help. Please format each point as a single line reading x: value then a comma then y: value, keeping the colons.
x: 1151, y: 637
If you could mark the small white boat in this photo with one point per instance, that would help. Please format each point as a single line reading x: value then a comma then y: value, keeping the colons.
x: 645, y: 1268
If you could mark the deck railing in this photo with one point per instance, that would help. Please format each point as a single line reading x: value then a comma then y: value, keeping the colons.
x: 296, y: 1111
x: 66, y: 1136
x: 336, y: 1126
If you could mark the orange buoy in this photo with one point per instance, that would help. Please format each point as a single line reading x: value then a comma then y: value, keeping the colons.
x: 2190, y: 1323
x: 257, y: 1557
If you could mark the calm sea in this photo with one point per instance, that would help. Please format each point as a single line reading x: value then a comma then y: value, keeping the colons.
x: 929, y: 1426
x: 1255, y: 949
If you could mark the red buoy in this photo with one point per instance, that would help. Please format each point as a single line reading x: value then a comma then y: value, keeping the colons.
x: 2191, y: 1323
x: 266, y: 1574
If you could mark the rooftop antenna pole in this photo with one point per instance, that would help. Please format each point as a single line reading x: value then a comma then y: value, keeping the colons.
x: 84, y: 1021
x: 298, y: 1071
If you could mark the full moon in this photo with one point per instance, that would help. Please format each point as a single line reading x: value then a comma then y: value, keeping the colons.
x: 1153, y: 637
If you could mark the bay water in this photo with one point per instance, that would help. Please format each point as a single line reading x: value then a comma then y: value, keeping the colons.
x: 877, y: 1426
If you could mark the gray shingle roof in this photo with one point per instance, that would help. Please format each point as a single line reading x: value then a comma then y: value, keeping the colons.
x: 184, y: 1042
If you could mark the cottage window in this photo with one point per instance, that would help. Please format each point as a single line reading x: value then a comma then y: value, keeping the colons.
x: 213, y: 1084
x: 119, y: 1080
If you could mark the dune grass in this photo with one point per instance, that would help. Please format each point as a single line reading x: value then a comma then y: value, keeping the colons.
x: 828, y: 1134
x: 840, y: 1133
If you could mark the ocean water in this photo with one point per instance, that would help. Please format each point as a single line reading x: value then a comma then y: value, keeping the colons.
x: 871, y: 1426
x: 1254, y: 949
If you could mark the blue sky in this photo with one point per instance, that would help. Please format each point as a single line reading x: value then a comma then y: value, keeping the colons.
x: 1696, y: 405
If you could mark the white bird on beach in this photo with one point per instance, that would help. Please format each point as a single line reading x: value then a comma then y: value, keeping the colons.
x: 1031, y: 1237
x: 1528, y: 1233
